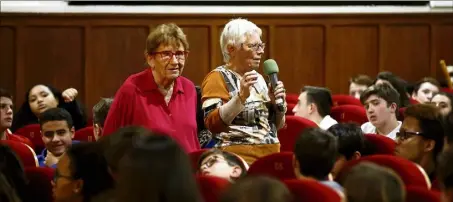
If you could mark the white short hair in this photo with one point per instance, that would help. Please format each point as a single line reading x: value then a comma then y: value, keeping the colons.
x: 235, y: 32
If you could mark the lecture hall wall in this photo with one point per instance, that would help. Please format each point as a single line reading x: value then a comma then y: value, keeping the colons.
x: 95, y: 53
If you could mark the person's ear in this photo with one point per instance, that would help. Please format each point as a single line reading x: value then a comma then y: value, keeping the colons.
x: 231, y: 50
x: 429, y: 145
x: 77, y: 186
x: 296, y: 166
x: 236, y: 172
x: 72, y: 131
x: 393, y: 107
x: 356, y: 155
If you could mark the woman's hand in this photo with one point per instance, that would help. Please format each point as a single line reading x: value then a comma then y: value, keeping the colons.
x: 278, y: 92
x: 69, y: 94
x: 249, y: 79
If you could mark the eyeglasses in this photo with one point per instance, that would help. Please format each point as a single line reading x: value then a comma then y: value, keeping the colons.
x: 210, y: 162
x: 404, y: 135
x: 256, y: 46
x: 167, y: 55
x: 58, y: 175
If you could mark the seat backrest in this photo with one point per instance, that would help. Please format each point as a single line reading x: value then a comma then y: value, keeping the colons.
x: 85, y: 135
x: 293, y: 128
x: 292, y: 98
x: 409, y: 172
x: 290, y: 108
x: 212, y: 188
x: 378, y: 144
x: 421, y: 194
x: 32, y: 132
x: 24, y: 152
x: 195, y: 157
x: 278, y: 165
x: 401, y: 113
x: 311, y: 191
x: 349, y: 113
x: 39, y: 186
x: 339, y: 100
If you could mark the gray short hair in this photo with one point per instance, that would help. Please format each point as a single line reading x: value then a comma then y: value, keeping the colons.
x: 235, y: 33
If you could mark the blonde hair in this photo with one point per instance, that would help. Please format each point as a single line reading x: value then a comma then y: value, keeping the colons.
x: 166, y: 34
x: 235, y: 33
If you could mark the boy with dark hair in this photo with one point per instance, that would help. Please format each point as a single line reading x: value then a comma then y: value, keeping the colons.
x: 6, y: 119
x: 57, y: 130
x: 350, y: 142
x: 100, y: 111
x: 315, y: 153
x: 314, y: 104
x: 425, y: 89
x: 222, y: 164
x: 381, y: 105
x: 358, y: 84
x: 421, y: 137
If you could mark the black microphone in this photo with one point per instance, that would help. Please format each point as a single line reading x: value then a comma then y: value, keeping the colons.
x: 271, y: 70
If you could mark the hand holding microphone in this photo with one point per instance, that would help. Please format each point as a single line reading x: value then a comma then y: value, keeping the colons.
x: 249, y: 79
x: 279, y: 92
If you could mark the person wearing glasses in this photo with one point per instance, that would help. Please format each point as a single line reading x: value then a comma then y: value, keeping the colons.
x: 218, y: 163
x: 159, y: 98
x: 421, y: 137
x: 239, y: 108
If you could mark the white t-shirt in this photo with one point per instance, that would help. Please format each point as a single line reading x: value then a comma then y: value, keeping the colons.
x: 369, y: 128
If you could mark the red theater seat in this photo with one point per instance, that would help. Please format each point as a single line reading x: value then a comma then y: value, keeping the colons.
x: 195, y: 157
x: 292, y: 98
x: 211, y: 187
x: 278, y: 165
x: 39, y: 186
x: 24, y: 152
x: 288, y: 134
x: 413, y: 102
x: 349, y: 113
x: 290, y: 107
x: 401, y: 113
x: 311, y: 191
x: 85, y: 134
x: 32, y: 132
x: 339, y: 100
x: 410, y: 173
x: 379, y: 144
x: 420, y: 194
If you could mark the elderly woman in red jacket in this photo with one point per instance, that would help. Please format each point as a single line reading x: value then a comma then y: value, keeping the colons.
x: 159, y: 98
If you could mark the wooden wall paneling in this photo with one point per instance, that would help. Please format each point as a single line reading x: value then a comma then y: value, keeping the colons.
x: 442, y: 47
x: 54, y: 56
x: 351, y: 50
x: 406, y: 50
x: 299, y: 52
x: 116, y: 53
x: 199, y: 61
x: 7, y: 58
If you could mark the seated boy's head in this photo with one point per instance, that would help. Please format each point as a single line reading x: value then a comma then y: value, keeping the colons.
x: 57, y: 130
x: 222, y: 164
x: 100, y: 111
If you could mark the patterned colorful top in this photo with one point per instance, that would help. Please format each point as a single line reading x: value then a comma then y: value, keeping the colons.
x: 255, y: 124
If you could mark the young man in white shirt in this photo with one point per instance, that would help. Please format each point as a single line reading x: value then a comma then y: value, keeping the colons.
x: 314, y: 104
x: 381, y: 106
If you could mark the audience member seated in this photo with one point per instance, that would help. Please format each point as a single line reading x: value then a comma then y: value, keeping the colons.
x: 12, y: 170
x: 57, y: 129
x: 41, y: 98
x: 421, y: 137
x: 443, y: 101
x: 350, y: 141
x: 368, y: 182
x: 257, y: 189
x: 398, y: 84
x: 381, y: 104
x: 447, y: 123
x: 445, y: 175
x: 159, y: 97
x: 425, y: 89
x: 6, y: 119
x: 358, y: 84
x: 223, y: 164
x: 81, y: 174
x: 119, y: 143
x: 315, y: 153
x: 156, y: 169
x: 100, y: 111
x: 240, y: 110
x: 315, y: 104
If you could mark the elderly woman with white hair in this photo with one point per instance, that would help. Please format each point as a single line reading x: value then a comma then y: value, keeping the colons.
x: 240, y: 109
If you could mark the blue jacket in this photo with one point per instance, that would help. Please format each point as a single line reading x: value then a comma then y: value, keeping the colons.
x: 42, y: 157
